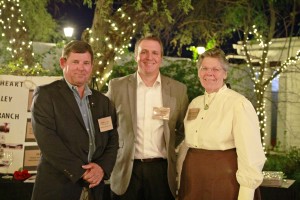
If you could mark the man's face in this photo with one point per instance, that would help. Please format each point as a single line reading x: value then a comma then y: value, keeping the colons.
x: 77, y: 68
x: 149, y: 57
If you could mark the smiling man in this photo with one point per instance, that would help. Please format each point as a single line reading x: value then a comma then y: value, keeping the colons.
x: 150, y: 109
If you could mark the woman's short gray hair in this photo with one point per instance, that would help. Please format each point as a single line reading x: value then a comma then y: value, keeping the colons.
x: 214, y: 53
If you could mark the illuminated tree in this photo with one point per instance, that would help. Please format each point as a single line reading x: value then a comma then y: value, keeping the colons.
x: 22, y: 22
x: 15, y: 30
x: 117, y: 22
x: 259, y: 22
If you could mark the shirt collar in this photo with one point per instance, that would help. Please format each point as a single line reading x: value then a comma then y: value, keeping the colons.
x: 140, y: 80
x: 224, y: 87
x: 87, y: 90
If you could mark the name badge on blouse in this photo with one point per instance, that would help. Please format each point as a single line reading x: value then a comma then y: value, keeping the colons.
x: 161, y: 113
x: 193, y: 113
x: 105, y: 124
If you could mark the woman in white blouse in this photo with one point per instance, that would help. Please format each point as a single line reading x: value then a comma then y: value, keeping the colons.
x: 222, y: 153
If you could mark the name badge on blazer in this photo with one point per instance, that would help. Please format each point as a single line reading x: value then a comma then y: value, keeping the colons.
x: 105, y: 124
x: 193, y: 113
x: 161, y: 113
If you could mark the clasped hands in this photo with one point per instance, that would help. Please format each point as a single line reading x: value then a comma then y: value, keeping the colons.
x: 93, y: 174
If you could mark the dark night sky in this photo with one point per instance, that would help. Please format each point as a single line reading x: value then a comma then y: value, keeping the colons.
x: 79, y: 18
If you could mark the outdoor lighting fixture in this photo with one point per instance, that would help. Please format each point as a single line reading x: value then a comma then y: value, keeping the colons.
x: 200, y: 50
x: 68, y: 31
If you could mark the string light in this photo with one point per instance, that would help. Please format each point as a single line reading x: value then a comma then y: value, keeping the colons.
x: 13, y: 25
x: 259, y: 75
x: 115, y: 47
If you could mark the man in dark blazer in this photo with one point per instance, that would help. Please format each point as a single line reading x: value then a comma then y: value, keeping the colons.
x: 150, y: 108
x: 76, y: 130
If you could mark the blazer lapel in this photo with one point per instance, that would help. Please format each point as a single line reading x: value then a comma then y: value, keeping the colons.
x: 167, y: 103
x: 166, y: 92
x: 67, y: 94
x: 132, y: 87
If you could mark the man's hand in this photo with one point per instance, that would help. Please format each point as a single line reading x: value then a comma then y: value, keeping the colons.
x: 93, y: 174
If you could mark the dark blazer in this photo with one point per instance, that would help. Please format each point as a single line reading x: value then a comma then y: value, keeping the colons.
x: 122, y: 92
x: 64, y: 143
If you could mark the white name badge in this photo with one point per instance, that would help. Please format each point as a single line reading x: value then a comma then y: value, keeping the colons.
x: 161, y: 113
x: 105, y: 124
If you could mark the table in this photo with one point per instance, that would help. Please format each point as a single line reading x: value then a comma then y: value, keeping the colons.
x: 15, y: 190
x: 18, y: 190
x: 281, y: 193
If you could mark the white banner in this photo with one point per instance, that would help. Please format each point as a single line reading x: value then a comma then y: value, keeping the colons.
x: 16, y: 134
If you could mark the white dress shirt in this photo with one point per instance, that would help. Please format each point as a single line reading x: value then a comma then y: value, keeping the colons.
x: 150, y: 142
x: 229, y: 122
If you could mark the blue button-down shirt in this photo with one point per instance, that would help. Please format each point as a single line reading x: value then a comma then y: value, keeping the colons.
x: 84, y: 106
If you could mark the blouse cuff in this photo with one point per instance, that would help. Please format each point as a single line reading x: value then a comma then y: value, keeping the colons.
x: 246, y: 193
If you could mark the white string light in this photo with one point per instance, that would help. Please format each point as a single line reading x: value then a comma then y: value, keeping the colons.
x: 258, y: 77
x: 117, y: 49
x: 13, y: 22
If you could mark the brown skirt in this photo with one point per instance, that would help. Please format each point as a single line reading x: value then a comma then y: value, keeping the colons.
x: 210, y: 175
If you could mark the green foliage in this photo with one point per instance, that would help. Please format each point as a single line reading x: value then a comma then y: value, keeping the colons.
x: 52, y: 52
x: 17, y: 67
x: 242, y: 16
x: 138, y: 4
x: 41, y: 26
x: 186, y: 5
x: 120, y: 71
x: 195, y: 52
x: 211, y: 44
x: 4, y: 53
x: 235, y: 15
x: 185, y: 71
x: 89, y: 3
x: 288, y: 162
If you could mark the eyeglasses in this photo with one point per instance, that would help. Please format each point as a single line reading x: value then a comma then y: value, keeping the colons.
x: 214, y: 69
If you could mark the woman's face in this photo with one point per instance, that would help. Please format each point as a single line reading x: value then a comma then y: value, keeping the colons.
x: 211, y: 74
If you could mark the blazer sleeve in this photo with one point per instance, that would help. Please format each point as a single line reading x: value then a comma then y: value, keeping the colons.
x: 183, y: 104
